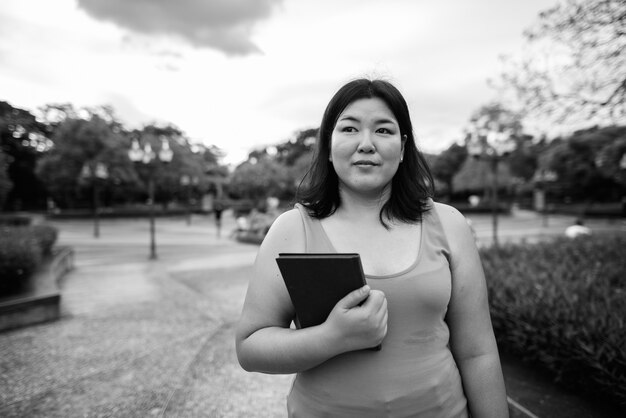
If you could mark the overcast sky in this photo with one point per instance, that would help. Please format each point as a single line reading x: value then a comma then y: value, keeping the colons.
x: 242, y: 74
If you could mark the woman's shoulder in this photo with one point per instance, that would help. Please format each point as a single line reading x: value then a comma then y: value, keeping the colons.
x: 286, y: 233
x: 289, y: 219
x: 454, y: 224
x: 448, y: 214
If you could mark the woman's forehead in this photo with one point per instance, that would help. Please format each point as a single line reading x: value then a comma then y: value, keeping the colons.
x: 370, y: 108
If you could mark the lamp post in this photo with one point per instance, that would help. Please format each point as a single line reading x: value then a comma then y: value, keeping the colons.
x: 146, y: 156
x: 541, y: 178
x: 95, y: 171
x: 185, y: 182
x: 490, y: 141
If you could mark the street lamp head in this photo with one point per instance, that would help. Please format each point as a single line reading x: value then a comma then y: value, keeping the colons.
x: 166, y: 154
x: 148, y: 154
x: 135, y: 153
x: 101, y: 171
x: 543, y: 175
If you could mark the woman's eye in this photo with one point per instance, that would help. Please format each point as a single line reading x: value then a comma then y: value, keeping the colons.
x: 348, y: 129
x: 384, y: 131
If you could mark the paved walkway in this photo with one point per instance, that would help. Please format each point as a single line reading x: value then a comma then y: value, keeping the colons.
x: 155, y: 338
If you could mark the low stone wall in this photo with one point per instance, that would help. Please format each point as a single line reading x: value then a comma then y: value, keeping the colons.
x: 41, y: 300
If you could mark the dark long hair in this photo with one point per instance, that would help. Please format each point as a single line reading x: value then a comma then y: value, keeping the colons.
x: 412, y: 184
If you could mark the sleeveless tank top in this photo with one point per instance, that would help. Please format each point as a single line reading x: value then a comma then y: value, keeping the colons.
x: 414, y: 373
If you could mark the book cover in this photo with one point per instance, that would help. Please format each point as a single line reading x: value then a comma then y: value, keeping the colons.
x: 316, y: 282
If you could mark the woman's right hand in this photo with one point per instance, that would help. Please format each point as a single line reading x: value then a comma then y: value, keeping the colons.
x: 359, y: 320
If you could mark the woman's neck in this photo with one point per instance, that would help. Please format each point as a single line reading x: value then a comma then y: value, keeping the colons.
x: 361, y: 206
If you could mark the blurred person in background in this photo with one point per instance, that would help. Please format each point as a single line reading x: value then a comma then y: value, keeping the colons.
x: 577, y: 229
x: 218, y: 209
x: 369, y: 192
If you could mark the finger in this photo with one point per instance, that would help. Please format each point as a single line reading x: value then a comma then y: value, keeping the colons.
x: 385, y: 318
x: 383, y: 307
x: 375, y: 299
x: 355, y: 297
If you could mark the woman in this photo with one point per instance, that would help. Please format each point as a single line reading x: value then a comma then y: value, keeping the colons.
x: 426, y: 300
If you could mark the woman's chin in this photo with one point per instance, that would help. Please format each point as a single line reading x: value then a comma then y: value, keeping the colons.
x: 367, y: 188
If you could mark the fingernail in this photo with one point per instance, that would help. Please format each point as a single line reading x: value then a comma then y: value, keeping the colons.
x: 366, y: 289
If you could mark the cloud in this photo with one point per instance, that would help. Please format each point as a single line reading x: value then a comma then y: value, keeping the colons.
x: 132, y: 115
x: 225, y: 25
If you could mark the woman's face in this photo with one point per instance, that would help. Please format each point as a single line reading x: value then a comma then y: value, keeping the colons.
x: 366, y: 146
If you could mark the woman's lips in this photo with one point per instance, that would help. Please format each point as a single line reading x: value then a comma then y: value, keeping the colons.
x: 365, y: 163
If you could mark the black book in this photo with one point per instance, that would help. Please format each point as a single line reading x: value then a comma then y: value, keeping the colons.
x: 316, y: 282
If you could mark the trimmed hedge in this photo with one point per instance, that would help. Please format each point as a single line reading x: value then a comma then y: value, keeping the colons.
x: 46, y: 236
x: 15, y: 220
x: 22, y: 250
x: 562, y: 305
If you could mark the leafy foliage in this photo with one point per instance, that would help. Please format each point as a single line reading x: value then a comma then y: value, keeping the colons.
x: 562, y: 305
x: 22, y: 141
x: 78, y: 142
x: 275, y: 171
x: 260, y: 179
x: 20, y: 255
x: 45, y: 236
x: 447, y: 164
x: 5, y: 181
x: 587, y: 163
x: 575, y: 67
x: 22, y: 250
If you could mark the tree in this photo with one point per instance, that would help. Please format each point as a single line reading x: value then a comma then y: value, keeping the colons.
x: 257, y: 180
x: 523, y: 160
x: 275, y: 170
x: 585, y: 164
x: 611, y: 158
x: 23, y: 140
x: 494, y: 134
x: 5, y: 181
x: 447, y: 164
x: 575, y: 65
x: 199, y: 164
x: 78, y: 142
x: 303, y: 143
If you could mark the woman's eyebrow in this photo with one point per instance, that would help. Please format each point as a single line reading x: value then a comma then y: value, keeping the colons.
x: 350, y: 118
x: 377, y: 121
x: 385, y: 120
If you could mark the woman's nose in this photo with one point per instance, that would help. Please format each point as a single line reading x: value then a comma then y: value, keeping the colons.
x: 366, y: 145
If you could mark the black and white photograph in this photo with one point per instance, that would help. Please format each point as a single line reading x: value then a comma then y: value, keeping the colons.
x: 313, y: 208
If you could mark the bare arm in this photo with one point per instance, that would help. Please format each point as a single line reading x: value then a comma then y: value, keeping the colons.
x: 264, y: 340
x: 471, y: 334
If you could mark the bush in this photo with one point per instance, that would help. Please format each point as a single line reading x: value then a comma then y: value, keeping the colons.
x: 562, y: 305
x: 22, y: 250
x: 46, y: 236
x: 15, y: 220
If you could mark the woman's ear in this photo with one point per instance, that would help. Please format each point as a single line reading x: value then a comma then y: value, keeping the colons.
x: 404, y: 139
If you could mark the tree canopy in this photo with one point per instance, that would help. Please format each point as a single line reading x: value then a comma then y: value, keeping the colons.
x: 275, y: 170
x: 574, y: 64
x: 23, y: 139
x: 588, y: 163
